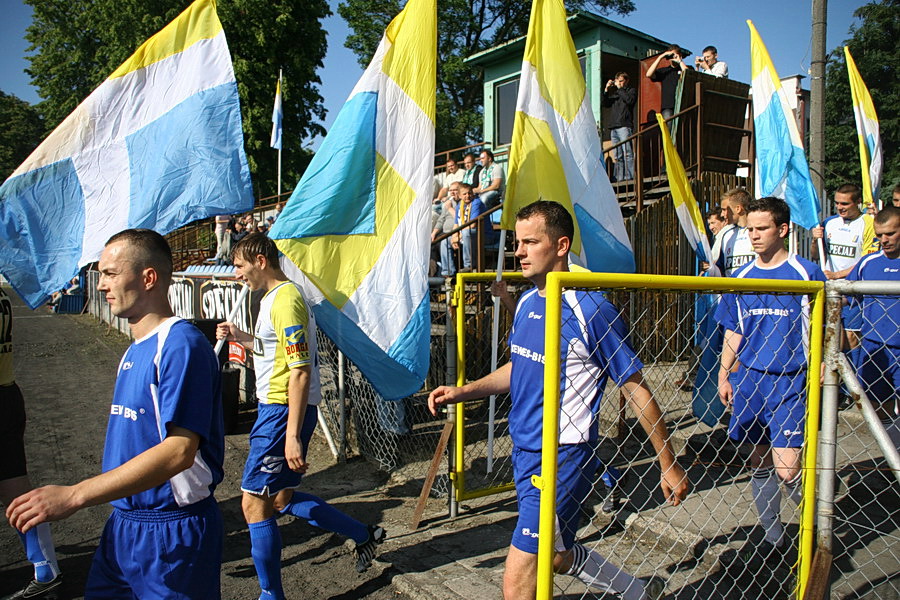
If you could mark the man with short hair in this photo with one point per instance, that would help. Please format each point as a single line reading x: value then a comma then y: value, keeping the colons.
x: 468, y: 210
x: 668, y: 77
x: 710, y: 64
x: 288, y: 395
x: 490, y: 181
x: 848, y: 235
x: 472, y: 170
x: 878, y: 359
x: 14, y: 481
x: 446, y: 223
x: 762, y: 375
x: 593, y: 335
x: 452, y: 173
x: 736, y: 248
x: 164, y: 443
x: 621, y: 98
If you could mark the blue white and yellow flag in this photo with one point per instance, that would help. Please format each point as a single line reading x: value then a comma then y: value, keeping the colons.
x: 356, y: 229
x: 781, y: 167
x: 686, y: 208
x: 556, y: 153
x: 156, y: 145
x: 277, y: 115
x: 867, y: 130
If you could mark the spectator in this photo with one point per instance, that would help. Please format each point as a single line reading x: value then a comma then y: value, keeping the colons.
x: 491, y: 181
x: 469, y: 209
x: 223, y: 238
x: 668, y: 77
x: 278, y: 208
x: 622, y: 99
x: 762, y: 376
x: 451, y: 173
x: 239, y: 233
x: 895, y: 196
x: 446, y: 223
x: 472, y: 170
x: 710, y: 64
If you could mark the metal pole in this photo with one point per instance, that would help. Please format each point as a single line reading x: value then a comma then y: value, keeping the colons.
x: 342, y: 401
x: 828, y: 433
x: 495, y: 342
x: 450, y: 336
x: 817, y: 97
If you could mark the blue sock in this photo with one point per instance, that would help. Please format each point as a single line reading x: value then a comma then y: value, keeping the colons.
x: 40, y: 552
x: 265, y: 547
x: 323, y: 515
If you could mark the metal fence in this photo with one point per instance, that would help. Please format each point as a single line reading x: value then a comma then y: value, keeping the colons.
x: 711, y: 545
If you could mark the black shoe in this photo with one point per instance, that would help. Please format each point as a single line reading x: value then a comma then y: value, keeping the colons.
x: 611, y: 499
x: 365, y: 552
x: 38, y: 589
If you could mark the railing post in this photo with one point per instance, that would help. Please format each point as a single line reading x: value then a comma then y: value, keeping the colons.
x: 698, y: 95
x: 451, y: 379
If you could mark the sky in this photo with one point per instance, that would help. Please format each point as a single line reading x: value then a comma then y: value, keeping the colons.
x: 784, y: 25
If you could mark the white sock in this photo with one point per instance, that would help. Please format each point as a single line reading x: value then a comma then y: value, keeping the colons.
x: 603, y: 576
x: 794, y: 488
x: 767, y: 497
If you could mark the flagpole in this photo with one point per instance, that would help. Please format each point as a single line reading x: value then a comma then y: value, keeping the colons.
x: 495, y: 342
x: 279, y: 145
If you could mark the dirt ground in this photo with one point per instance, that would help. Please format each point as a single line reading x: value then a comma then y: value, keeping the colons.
x: 66, y: 367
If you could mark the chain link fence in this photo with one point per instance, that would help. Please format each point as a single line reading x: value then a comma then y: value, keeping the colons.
x: 859, y: 495
x: 663, y: 331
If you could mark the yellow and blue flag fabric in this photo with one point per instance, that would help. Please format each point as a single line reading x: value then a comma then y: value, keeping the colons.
x: 356, y: 230
x: 781, y: 167
x: 556, y: 152
x: 689, y: 215
x: 867, y: 130
x: 277, y: 115
x: 156, y: 145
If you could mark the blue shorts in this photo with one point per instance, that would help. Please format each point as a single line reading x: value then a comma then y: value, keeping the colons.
x: 578, y: 465
x: 852, y: 316
x: 159, y: 554
x: 878, y: 367
x: 266, y: 472
x: 769, y: 409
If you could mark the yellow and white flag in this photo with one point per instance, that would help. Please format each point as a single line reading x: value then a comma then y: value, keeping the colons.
x: 356, y: 229
x: 556, y: 152
x: 867, y: 130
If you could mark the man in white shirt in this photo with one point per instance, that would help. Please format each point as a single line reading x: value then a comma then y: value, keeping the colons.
x: 710, y: 64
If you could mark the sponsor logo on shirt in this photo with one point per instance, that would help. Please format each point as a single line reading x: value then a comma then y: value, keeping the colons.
x: 124, y: 412
x: 533, y: 315
x: 272, y: 464
x: 791, y: 432
x: 890, y: 270
x: 841, y: 250
x: 295, y: 334
x: 127, y: 365
x: 526, y: 353
x: 526, y: 531
x: 737, y: 260
x: 777, y: 312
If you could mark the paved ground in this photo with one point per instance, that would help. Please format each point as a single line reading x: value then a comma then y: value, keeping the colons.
x: 65, y: 365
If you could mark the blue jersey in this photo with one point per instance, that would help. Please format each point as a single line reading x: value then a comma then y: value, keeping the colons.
x: 594, y: 347
x: 169, y: 377
x: 775, y: 327
x: 881, y: 314
x: 467, y: 212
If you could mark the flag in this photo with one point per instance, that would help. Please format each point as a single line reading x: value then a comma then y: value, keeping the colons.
x: 781, y: 167
x: 556, y: 153
x: 867, y: 131
x: 685, y: 205
x: 156, y: 145
x: 277, y: 114
x: 356, y: 230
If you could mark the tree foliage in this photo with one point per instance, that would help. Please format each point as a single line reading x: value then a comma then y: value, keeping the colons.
x: 465, y: 27
x: 873, y: 44
x: 76, y: 44
x: 23, y: 128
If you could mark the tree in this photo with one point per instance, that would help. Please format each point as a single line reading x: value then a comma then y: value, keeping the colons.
x: 76, y: 44
x: 465, y: 27
x: 874, y: 47
x: 23, y: 128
